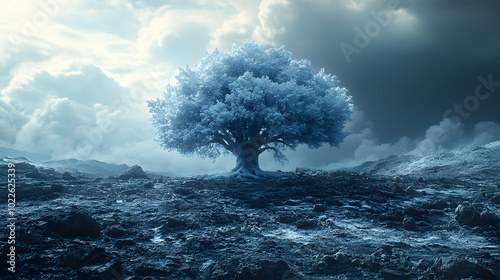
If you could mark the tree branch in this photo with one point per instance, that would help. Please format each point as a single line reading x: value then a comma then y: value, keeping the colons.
x: 263, y: 149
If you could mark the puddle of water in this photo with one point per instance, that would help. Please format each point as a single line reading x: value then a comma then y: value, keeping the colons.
x: 157, y: 237
x: 298, y: 236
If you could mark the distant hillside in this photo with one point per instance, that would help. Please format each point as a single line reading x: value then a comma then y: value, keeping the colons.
x: 13, y: 153
x: 469, y: 162
x: 92, y: 168
x: 87, y: 168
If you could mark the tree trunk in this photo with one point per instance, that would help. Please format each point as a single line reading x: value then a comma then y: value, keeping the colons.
x: 247, y: 162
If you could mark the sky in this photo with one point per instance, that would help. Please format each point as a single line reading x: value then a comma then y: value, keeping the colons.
x: 75, y: 75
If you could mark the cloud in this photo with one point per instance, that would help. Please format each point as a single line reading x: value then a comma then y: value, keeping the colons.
x: 11, y: 122
x: 408, y: 71
x: 84, y: 84
x: 360, y: 146
x: 75, y: 85
x: 238, y: 24
x: 446, y: 135
x: 486, y: 132
x: 274, y: 17
x: 115, y: 17
x: 66, y: 109
x: 175, y: 36
x: 363, y: 145
x: 53, y: 130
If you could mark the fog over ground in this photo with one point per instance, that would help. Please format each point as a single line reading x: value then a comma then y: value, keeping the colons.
x: 75, y: 75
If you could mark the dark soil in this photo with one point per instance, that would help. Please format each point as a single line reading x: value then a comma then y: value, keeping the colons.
x: 308, y: 225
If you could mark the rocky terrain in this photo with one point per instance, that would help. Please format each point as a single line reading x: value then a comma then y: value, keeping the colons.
x: 303, y: 225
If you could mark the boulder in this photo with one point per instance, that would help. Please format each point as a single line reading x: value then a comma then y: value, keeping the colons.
x: 409, y: 223
x: 134, y: 172
x: 273, y: 271
x: 74, y: 224
x: 467, y: 215
x: 319, y: 208
x: 489, y: 218
x: 450, y: 268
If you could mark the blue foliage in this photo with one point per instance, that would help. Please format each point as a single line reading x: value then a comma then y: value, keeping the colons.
x: 250, y: 98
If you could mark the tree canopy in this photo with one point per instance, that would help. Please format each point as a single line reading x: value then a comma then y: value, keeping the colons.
x: 247, y: 101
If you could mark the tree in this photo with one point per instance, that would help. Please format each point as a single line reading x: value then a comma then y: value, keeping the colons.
x: 247, y: 101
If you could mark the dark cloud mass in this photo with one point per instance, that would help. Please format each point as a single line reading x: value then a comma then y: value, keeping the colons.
x: 427, y: 59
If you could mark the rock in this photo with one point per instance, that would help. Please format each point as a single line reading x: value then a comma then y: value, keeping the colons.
x: 171, y: 224
x: 111, y: 270
x: 273, y: 271
x: 321, y: 267
x: 78, y: 255
x: 337, y: 263
x: 409, y: 223
x: 400, y: 215
x: 224, y: 218
x: 67, y: 176
x: 246, y: 273
x: 438, y: 205
x: 388, y: 217
x: 467, y: 215
x: 183, y: 191
x: 57, y: 188
x: 120, y: 244
x: 148, y: 185
x: 36, y: 174
x: 319, y: 208
x: 158, y: 273
x: 134, y: 172
x: 306, y: 224
x: 450, y: 268
x: 496, y: 199
x: 422, y: 264
x: 74, y: 224
x: 383, y: 250
x: 115, y: 231
x: 412, y: 212
x: 371, y: 262
x: 26, y: 167
x: 396, y: 188
x: 489, y: 218
x: 182, y: 205
x: 356, y: 262
x: 285, y: 217
x: 105, y: 185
